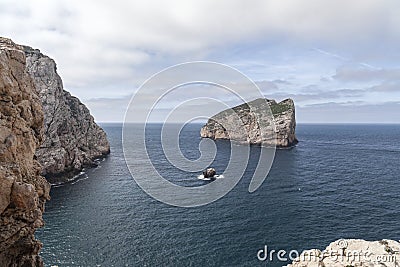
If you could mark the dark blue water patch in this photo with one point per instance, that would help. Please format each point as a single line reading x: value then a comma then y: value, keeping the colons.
x: 341, y: 181
x: 189, y: 139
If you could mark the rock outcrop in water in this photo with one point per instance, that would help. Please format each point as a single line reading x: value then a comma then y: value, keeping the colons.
x: 72, y: 139
x: 255, y: 125
x: 23, y: 191
x: 209, y: 173
x: 352, y: 252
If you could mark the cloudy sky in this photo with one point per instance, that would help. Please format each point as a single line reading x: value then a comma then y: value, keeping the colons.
x: 339, y: 60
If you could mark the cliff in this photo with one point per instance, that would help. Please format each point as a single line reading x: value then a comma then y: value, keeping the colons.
x: 255, y: 123
x: 23, y: 191
x: 72, y: 139
x: 352, y: 252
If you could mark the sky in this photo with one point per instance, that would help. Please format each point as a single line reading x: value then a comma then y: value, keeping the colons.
x: 338, y: 60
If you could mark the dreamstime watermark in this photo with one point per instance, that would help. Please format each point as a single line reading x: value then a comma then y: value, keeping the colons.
x: 342, y: 255
x: 276, y: 255
x: 187, y: 77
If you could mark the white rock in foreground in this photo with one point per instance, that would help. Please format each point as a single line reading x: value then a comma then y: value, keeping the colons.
x: 352, y: 252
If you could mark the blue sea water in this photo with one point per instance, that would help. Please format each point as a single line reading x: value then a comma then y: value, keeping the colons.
x: 341, y: 181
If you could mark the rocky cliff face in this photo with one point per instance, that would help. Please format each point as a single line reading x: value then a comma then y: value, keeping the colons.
x: 23, y: 191
x: 72, y: 139
x: 352, y: 252
x: 255, y: 126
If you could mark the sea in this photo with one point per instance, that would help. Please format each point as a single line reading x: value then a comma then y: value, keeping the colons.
x: 340, y: 181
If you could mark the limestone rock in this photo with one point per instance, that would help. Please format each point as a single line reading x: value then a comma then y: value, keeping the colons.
x: 23, y: 191
x: 251, y: 123
x: 352, y: 252
x: 72, y: 139
x: 6, y: 184
x: 24, y: 196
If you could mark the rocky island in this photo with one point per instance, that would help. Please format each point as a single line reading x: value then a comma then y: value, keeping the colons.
x: 253, y: 116
x: 72, y: 139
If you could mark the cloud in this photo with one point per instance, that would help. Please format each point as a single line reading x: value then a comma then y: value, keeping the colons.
x: 349, y: 112
x: 108, y: 109
x: 280, y: 81
x: 112, y: 37
x: 330, y: 54
x: 390, y: 86
x: 384, y: 80
x: 351, y: 73
x: 108, y: 49
x: 113, y: 109
x: 319, y: 95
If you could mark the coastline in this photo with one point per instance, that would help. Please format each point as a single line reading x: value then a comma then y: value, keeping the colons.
x: 72, y: 176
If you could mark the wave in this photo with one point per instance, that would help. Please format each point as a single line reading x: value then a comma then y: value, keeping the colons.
x: 201, y: 177
x: 71, y: 180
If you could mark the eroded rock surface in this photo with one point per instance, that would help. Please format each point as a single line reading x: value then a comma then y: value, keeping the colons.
x: 72, y: 138
x: 254, y: 124
x: 352, y: 252
x: 23, y: 191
